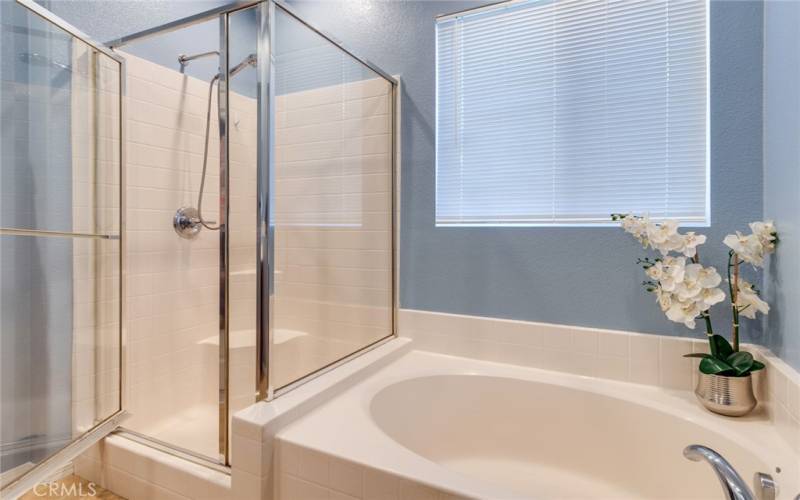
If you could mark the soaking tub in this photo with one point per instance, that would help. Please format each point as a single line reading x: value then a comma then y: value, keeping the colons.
x: 479, y: 429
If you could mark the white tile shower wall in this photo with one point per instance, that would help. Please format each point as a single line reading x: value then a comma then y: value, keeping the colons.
x: 640, y: 358
x: 333, y: 201
x: 172, y: 283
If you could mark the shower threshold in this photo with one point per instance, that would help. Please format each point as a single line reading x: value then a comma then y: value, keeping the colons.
x: 194, y: 429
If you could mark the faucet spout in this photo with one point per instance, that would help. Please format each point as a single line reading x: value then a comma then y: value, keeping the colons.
x: 732, y: 483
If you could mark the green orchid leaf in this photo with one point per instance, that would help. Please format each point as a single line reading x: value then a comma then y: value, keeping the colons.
x: 714, y: 366
x: 757, y: 365
x: 723, y: 348
x: 741, y: 361
x: 698, y: 355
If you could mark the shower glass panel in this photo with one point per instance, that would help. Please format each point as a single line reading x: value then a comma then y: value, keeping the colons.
x: 60, y: 246
x: 243, y: 143
x: 174, y: 282
x: 331, y: 203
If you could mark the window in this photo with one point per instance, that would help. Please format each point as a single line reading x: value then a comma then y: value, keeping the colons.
x: 554, y: 112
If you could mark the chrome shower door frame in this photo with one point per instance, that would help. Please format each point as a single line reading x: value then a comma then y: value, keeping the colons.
x: 63, y: 457
x: 224, y: 248
x: 265, y: 250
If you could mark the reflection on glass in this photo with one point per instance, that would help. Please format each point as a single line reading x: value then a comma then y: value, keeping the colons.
x: 60, y: 296
x: 332, y: 204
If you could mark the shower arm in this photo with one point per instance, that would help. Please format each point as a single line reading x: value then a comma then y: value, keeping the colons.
x: 183, y: 59
x: 250, y: 60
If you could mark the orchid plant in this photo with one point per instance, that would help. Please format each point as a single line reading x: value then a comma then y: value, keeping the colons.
x: 686, y: 290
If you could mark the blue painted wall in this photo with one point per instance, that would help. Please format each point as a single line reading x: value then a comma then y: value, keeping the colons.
x: 782, y: 174
x: 305, y: 59
x: 583, y: 276
x: 131, y: 16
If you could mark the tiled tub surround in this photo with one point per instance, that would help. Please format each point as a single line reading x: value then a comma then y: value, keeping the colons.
x: 490, y: 430
x: 609, y: 354
x: 323, y: 439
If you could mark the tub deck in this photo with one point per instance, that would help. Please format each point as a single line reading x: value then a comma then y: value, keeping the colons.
x: 350, y: 432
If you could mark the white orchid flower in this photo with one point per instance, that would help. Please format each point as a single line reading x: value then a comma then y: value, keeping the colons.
x: 656, y: 271
x: 664, y: 237
x: 685, y: 289
x: 690, y: 243
x: 748, y: 302
x: 674, y: 270
x: 636, y: 226
x: 766, y: 234
x: 664, y: 299
x: 690, y: 287
x: 711, y: 296
x: 683, y: 312
x: 696, y: 291
x: 749, y: 248
x: 708, y: 277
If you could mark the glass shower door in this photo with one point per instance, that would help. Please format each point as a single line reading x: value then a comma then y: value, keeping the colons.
x: 60, y: 244
x: 192, y: 327
x: 174, y: 305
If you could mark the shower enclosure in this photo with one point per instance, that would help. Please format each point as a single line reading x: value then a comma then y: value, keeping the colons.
x: 227, y: 229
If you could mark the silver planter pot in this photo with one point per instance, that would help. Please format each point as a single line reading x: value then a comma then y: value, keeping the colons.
x: 731, y: 396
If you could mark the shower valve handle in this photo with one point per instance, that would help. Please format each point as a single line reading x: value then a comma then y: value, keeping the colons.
x: 186, y: 222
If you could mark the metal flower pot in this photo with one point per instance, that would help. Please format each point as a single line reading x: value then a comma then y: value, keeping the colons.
x: 731, y: 396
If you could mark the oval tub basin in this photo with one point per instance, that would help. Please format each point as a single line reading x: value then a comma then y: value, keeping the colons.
x: 551, y: 441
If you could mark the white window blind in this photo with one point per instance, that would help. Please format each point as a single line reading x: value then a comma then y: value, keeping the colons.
x: 562, y: 112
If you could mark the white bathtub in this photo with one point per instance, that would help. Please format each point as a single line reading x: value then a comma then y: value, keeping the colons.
x: 480, y: 429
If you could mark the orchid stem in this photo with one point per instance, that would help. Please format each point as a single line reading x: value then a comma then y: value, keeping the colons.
x: 733, y: 287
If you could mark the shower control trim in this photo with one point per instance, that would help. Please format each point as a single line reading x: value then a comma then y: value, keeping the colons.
x: 186, y: 222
